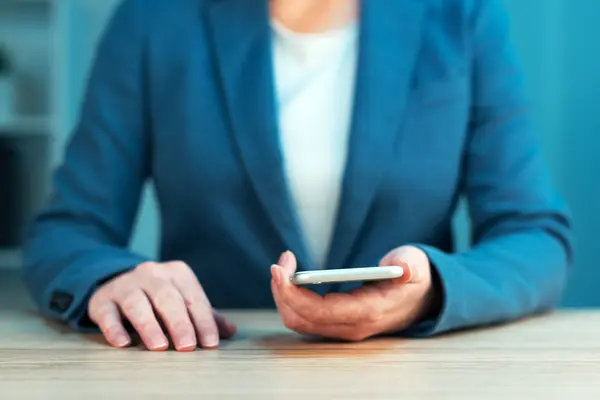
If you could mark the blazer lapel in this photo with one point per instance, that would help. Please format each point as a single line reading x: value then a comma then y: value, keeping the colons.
x: 389, y: 43
x: 242, y: 42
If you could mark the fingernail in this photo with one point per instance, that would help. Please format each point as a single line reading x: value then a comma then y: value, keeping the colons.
x: 210, y: 341
x: 122, y: 341
x: 159, y: 345
x: 408, y: 272
x: 188, y: 343
x: 283, y: 259
x: 187, y: 347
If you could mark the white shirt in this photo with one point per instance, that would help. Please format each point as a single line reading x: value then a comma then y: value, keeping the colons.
x: 314, y: 76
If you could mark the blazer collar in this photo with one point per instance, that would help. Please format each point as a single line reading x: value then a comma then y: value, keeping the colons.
x: 389, y: 44
x: 389, y: 41
x: 242, y: 41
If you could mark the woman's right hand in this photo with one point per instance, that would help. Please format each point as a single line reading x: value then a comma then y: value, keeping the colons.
x: 170, y: 291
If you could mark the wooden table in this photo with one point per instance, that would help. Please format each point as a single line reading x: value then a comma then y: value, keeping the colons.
x: 550, y: 357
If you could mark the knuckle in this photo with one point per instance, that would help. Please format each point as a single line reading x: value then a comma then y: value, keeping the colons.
x: 178, y: 266
x: 181, y: 326
x: 197, y: 300
x: 148, y: 327
x: 166, y: 296
x: 150, y: 269
x: 117, y: 285
x: 146, y: 266
x: 131, y: 303
x: 183, y: 330
x: 111, y: 330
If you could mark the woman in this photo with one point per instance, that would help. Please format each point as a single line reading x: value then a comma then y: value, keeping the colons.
x: 343, y: 131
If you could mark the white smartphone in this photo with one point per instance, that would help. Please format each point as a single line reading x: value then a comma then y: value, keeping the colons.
x: 347, y: 275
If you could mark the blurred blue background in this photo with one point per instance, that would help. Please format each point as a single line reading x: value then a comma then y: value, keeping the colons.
x: 52, y: 44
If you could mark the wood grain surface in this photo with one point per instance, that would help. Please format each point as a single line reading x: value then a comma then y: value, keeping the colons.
x: 551, y: 357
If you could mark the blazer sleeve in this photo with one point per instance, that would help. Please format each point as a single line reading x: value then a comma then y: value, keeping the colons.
x: 521, y: 232
x: 81, y: 236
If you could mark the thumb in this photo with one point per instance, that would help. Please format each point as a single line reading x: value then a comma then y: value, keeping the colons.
x: 402, y: 257
x: 288, y: 263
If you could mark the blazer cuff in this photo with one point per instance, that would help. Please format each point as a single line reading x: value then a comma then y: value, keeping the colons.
x: 445, y: 278
x: 67, y: 298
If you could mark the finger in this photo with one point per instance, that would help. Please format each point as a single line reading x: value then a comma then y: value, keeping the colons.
x: 138, y: 310
x: 288, y: 263
x: 199, y: 308
x: 227, y: 329
x: 408, y: 273
x: 106, y: 315
x: 299, y: 324
x: 334, y: 308
x: 290, y: 318
x: 169, y: 304
x: 407, y: 260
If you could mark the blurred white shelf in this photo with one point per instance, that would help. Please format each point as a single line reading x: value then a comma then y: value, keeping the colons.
x: 27, y: 126
x: 26, y: 2
x: 27, y: 5
x: 27, y: 30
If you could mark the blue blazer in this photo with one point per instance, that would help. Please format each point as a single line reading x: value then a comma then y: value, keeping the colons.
x: 182, y: 95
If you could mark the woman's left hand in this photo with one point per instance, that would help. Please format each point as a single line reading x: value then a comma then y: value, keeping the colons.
x: 373, y: 309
